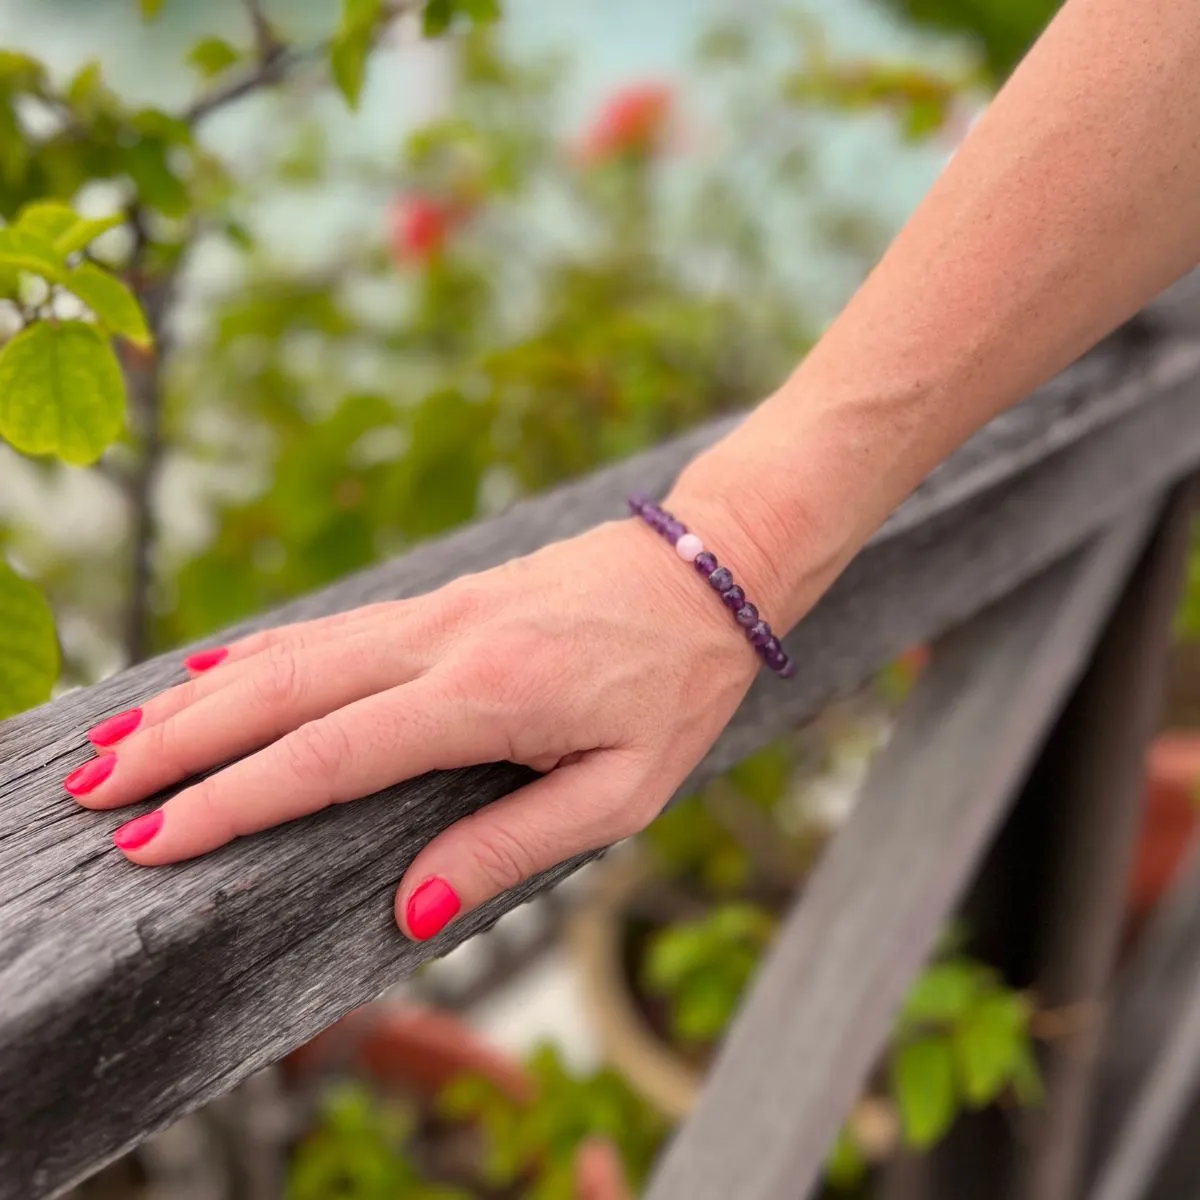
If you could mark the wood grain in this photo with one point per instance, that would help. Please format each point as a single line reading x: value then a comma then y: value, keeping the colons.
x: 822, y: 1007
x: 128, y: 997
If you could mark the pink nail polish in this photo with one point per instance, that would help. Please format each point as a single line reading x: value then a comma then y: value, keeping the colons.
x: 133, y: 835
x: 431, y: 908
x: 91, y: 775
x: 205, y: 660
x: 110, y: 732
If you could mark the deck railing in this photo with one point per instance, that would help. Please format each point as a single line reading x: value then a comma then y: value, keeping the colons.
x: 1042, y: 560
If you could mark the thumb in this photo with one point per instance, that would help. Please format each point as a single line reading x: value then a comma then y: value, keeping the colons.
x: 598, y: 1172
x: 585, y: 805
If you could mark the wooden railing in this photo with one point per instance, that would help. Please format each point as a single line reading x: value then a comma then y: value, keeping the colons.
x: 1042, y: 558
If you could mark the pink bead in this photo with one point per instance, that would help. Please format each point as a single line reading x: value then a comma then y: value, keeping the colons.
x: 688, y: 547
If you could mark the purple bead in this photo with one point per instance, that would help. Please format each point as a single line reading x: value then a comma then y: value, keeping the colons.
x: 735, y: 597
x: 759, y: 633
x: 747, y: 615
x: 638, y: 502
x: 787, y: 670
x: 770, y: 648
x: 721, y: 579
x: 776, y: 660
x: 705, y: 563
x: 673, y: 530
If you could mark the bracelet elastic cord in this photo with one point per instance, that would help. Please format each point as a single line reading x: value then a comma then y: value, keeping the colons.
x: 691, y: 549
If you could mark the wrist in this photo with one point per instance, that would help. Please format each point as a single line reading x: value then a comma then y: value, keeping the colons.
x: 786, y: 500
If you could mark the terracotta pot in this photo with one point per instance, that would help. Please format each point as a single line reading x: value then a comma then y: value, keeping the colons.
x: 1172, y: 810
x: 420, y: 1050
x: 630, y: 1044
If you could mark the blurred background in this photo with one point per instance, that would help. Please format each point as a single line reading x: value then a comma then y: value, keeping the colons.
x: 493, y: 251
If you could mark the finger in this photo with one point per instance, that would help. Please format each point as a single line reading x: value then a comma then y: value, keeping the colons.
x: 584, y: 806
x: 599, y: 1174
x: 275, y: 693
x: 299, y: 633
x: 352, y: 752
x: 380, y: 619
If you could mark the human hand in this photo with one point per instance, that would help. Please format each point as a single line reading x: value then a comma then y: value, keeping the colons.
x: 602, y: 661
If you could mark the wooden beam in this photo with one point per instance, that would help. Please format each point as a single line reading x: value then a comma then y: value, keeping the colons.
x: 822, y: 1008
x: 1091, y: 781
x: 1144, y: 1140
x: 131, y: 997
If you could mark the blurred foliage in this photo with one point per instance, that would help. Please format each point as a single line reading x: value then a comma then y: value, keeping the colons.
x: 962, y: 1040
x: 358, y: 1150
x: 535, y: 1144
x: 525, y: 309
x: 1002, y: 29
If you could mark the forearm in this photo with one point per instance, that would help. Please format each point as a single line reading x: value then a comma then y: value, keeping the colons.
x: 1074, y: 200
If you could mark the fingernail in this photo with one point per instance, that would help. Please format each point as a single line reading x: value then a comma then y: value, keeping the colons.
x: 431, y: 908
x: 110, y: 732
x: 205, y: 660
x: 133, y: 835
x: 90, y: 775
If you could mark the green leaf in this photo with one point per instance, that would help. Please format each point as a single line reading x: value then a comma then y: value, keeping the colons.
x: 150, y: 8
x: 212, y: 55
x: 943, y: 993
x: 482, y: 12
x: 847, y: 1165
x: 84, y: 231
x: 27, y: 251
x: 922, y: 1074
x: 85, y: 85
x: 112, y: 301
x: 20, y: 72
x: 28, y: 646
x: 61, y: 391
x: 349, y: 49
x: 438, y: 17
x: 988, y: 1044
x: 46, y: 218
x: 348, y: 64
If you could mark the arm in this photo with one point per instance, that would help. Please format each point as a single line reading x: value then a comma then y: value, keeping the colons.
x: 600, y: 660
x: 1072, y: 202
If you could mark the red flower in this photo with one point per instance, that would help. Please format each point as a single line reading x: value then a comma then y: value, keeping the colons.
x: 419, y: 227
x: 634, y: 121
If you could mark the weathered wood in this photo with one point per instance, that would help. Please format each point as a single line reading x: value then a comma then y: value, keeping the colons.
x: 1148, y: 1098
x: 132, y: 996
x: 822, y: 1007
x: 1092, y: 781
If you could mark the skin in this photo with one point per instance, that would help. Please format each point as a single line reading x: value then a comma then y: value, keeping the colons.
x: 603, y: 660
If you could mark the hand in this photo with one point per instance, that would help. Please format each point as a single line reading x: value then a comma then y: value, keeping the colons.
x: 603, y: 661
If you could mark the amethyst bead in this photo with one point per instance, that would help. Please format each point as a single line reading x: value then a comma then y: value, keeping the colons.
x: 673, y: 530
x: 690, y: 548
x: 735, y: 597
x: 721, y: 579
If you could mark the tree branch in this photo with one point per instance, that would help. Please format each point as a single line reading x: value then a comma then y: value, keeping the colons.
x: 279, y: 62
x: 144, y: 379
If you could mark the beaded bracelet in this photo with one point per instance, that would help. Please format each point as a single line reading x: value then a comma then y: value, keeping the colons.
x: 691, y: 549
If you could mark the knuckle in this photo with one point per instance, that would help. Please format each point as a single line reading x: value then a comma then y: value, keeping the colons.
x: 463, y: 601
x: 502, y: 858
x: 277, y: 682
x: 217, y: 816
x: 316, y: 752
